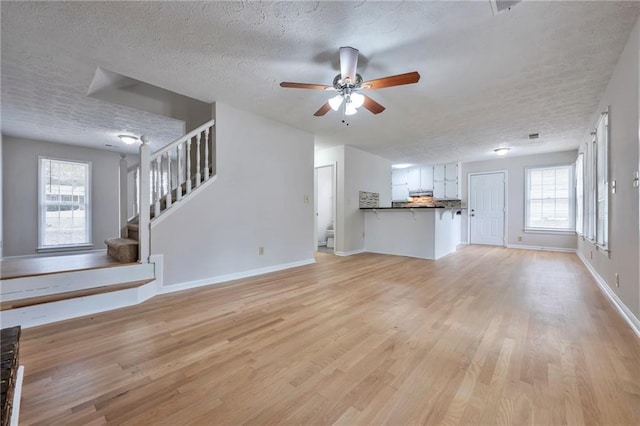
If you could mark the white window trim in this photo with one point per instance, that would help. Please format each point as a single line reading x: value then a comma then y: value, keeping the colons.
x: 572, y: 201
x: 41, y: 202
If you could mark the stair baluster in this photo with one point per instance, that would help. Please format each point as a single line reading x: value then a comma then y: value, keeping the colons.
x: 198, y: 175
x: 179, y: 172
x: 206, y: 154
x: 169, y: 187
x: 188, y: 143
x: 158, y: 194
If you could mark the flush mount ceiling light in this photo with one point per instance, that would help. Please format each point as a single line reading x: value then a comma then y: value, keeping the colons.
x: 401, y: 166
x: 501, y: 151
x: 128, y: 139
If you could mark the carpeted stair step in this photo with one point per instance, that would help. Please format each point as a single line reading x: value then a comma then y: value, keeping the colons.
x: 125, y: 250
x: 133, y: 231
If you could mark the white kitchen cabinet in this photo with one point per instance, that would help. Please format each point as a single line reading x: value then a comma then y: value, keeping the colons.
x: 438, y: 173
x: 426, y: 177
x: 451, y: 189
x: 399, y: 177
x: 451, y: 171
x: 399, y: 192
x: 413, y: 178
x: 438, y: 189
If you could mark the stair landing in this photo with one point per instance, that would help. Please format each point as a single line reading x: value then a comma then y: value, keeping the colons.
x: 34, y: 266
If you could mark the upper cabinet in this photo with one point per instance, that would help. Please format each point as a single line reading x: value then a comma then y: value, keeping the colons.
x: 399, y: 177
x: 446, y: 179
x: 426, y: 177
x: 413, y: 178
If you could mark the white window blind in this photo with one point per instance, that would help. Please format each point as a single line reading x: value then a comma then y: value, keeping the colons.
x: 602, y: 181
x: 550, y: 199
x: 579, y: 179
x: 65, y: 200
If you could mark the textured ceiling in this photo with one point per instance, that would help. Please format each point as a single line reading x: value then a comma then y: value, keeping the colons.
x: 487, y: 80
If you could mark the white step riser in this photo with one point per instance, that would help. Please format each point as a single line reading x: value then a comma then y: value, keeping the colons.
x: 43, y: 285
x: 46, y: 313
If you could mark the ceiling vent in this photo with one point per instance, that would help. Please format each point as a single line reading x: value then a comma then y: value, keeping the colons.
x: 498, y: 6
x: 533, y: 136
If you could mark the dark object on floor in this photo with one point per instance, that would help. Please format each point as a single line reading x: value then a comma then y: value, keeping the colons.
x: 9, y: 342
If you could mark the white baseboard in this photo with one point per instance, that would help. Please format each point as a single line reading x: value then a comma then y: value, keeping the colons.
x: 17, y: 396
x: 626, y: 313
x: 231, y: 277
x: 55, y: 253
x: 32, y: 316
x: 543, y: 248
x: 350, y: 252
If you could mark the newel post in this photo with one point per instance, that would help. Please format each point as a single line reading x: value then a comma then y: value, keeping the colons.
x: 145, y: 201
x: 123, y: 196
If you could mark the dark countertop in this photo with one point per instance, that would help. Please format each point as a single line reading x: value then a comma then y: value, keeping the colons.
x: 402, y: 208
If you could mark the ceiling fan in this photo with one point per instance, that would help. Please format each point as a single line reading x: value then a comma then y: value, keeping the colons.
x: 349, y: 84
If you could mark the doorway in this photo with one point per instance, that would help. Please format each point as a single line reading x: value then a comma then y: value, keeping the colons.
x: 325, y: 223
x: 487, y: 208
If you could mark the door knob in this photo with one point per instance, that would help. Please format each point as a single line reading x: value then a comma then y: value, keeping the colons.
x: 472, y: 215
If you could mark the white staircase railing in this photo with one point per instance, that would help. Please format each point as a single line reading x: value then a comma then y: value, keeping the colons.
x: 164, y: 178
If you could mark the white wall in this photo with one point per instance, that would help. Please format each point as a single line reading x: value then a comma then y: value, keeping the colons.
x: 363, y: 172
x: 325, y: 202
x: 20, y: 191
x: 515, y: 167
x: 264, y: 176
x: 622, y: 98
x: 357, y: 171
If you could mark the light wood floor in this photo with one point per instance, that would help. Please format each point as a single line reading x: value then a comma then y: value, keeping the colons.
x: 483, y: 336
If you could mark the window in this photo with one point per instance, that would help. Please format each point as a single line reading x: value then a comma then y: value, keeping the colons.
x: 602, y: 181
x: 579, y: 179
x: 596, y: 184
x: 549, y: 204
x: 64, y: 213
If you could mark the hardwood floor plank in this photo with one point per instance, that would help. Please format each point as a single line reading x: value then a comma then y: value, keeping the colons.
x: 485, y: 335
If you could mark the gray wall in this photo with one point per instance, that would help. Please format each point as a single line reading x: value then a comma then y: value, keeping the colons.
x: 20, y: 191
x: 622, y: 98
x: 515, y: 167
x: 357, y: 171
x: 262, y: 197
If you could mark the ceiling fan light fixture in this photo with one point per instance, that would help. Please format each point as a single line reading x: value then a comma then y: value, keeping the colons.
x: 335, y: 102
x: 128, y: 139
x: 357, y: 100
x: 350, y: 109
x: 502, y: 151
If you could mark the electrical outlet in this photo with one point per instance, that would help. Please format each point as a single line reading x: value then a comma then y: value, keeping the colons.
x: 260, y: 251
x: 519, y: 237
x: 617, y: 280
x: 306, y: 199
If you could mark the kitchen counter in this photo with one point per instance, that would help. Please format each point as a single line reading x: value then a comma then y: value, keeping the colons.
x: 402, y: 208
x: 422, y: 232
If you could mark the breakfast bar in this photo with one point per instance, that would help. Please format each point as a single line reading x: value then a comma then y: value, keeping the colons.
x: 422, y: 232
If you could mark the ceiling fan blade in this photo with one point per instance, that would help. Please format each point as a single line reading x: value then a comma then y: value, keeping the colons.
x: 305, y: 86
x: 323, y: 110
x: 348, y: 63
x: 394, y: 80
x: 372, y: 105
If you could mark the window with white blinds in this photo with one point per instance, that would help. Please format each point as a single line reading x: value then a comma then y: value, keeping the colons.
x: 550, y: 200
x: 579, y: 179
x: 65, y: 204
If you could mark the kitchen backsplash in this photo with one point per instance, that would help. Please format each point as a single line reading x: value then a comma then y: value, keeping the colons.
x: 369, y: 199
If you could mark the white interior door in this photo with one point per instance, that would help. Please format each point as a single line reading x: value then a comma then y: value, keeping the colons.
x: 487, y: 208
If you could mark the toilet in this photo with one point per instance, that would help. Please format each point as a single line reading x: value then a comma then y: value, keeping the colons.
x: 329, y: 233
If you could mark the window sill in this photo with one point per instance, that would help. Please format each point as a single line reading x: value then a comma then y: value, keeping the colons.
x: 78, y: 247
x: 549, y: 231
